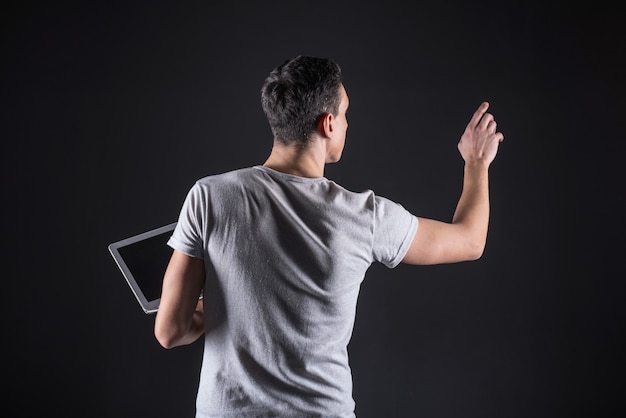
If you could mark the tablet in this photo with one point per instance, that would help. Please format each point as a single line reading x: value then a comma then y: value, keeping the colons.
x: 142, y: 259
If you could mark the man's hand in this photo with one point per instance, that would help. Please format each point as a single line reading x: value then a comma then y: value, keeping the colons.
x: 479, y: 143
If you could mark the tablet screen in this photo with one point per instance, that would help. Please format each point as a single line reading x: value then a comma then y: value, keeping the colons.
x: 143, y: 260
x: 147, y: 260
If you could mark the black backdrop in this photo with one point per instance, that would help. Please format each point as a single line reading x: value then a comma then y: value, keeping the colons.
x: 112, y: 110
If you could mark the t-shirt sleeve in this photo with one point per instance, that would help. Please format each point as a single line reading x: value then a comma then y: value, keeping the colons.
x: 187, y: 236
x: 394, y: 228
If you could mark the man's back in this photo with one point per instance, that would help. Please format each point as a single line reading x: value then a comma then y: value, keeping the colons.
x: 286, y: 256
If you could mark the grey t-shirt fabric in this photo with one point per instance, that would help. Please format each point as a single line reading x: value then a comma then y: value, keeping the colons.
x: 285, y: 257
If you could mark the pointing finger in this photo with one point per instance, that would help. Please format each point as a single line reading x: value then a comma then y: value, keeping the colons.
x: 478, y: 114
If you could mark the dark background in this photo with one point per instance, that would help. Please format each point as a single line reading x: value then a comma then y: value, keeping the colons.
x: 110, y: 111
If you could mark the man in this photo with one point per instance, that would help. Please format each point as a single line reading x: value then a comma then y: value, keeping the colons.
x: 278, y: 253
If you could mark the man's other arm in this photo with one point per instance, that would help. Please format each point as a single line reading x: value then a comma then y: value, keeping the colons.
x: 464, y: 238
x: 180, y: 318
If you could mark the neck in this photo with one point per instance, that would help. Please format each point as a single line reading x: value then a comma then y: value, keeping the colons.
x: 303, y: 162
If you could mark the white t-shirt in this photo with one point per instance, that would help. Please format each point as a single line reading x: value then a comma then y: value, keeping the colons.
x: 285, y: 257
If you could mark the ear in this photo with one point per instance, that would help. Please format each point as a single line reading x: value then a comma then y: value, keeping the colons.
x: 325, y: 125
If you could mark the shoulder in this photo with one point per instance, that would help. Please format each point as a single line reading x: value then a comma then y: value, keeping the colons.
x: 227, y: 177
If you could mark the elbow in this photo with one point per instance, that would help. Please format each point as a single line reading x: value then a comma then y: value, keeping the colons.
x: 475, y: 251
x: 165, y: 342
x: 166, y: 337
x: 475, y: 255
x: 174, y: 332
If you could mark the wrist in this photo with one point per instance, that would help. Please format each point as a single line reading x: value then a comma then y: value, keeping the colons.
x: 477, y: 164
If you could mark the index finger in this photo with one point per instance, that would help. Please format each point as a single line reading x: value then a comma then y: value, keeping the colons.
x: 478, y: 114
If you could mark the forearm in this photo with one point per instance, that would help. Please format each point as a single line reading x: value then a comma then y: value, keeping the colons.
x: 472, y: 211
x: 193, y: 332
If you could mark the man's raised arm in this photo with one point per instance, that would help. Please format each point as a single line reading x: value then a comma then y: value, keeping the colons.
x: 464, y: 238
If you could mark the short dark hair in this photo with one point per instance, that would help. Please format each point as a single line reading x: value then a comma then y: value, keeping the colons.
x: 297, y: 93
